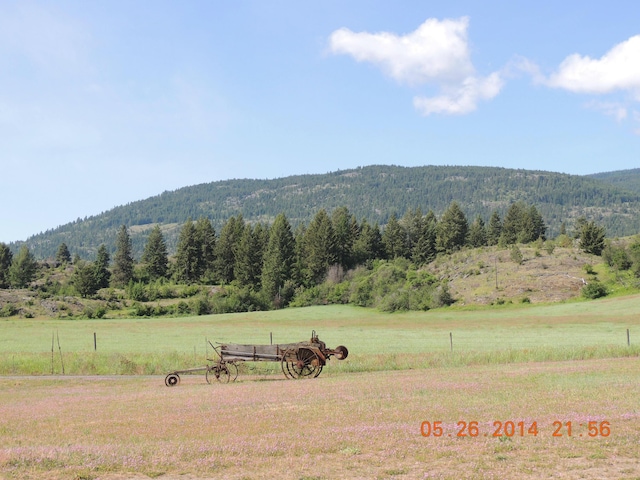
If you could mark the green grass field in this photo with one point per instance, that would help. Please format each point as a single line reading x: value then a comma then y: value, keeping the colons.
x: 362, y: 418
x: 508, y: 333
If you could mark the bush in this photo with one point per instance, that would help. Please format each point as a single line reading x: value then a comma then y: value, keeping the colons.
x: 9, y: 310
x: 137, y: 291
x: 594, y: 290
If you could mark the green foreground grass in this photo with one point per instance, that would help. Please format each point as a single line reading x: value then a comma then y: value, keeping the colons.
x: 376, y: 341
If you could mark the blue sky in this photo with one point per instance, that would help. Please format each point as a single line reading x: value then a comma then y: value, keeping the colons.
x: 107, y: 102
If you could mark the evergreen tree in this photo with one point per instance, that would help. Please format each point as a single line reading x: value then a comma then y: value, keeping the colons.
x: 368, y: 244
x: 123, y: 259
x: 23, y: 268
x: 514, y: 223
x: 101, y: 268
x: 477, y: 233
x: 225, y: 249
x: 206, y: 241
x: 452, y: 229
x: 155, y: 255
x: 319, y: 247
x: 592, y: 238
x: 248, y: 267
x: 63, y: 256
x: 187, y: 254
x: 345, y: 228
x: 6, y: 258
x: 84, y: 279
x: 424, y: 250
x: 413, y: 224
x: 394, y: 239
x: 494, y: 229
x: 279, y: 257
x: 534, y: 227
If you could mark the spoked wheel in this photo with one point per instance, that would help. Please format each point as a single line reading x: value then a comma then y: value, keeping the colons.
x: 223, y: 372
x: 233, y: 371
x: 219, y: 372
x: 172, y: 380
x: 304, y: 364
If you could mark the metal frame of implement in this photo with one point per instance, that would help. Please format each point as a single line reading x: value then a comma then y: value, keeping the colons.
x: 297, y: 360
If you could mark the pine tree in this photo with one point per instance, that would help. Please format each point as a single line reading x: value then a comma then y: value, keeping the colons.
x: 592, y: 238
x: 206, y: 241
x: 101, y: 267
x: 494, y: 229
x: 394, y: 239
x: 345, y: 228
x: 514, y: 224
x: 155, y: 255
x: 319, y: 247
x: 226, y: 246
x: 23, y: 268
x: 63, y: 256
x: 248, y: 267
x: 123, y: 259
x: 84, y: 279
x: 477, y: 233
x: 424, y: 250
x: 279, y: 257
x: 6, y: 258
x: 187, y: 254
x: 368, y: 244
x: 452, y: 229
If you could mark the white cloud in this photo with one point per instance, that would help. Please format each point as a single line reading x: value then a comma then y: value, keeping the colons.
x: 618, y: 69
x: 461, y: 99
x: 611, y: 109
x: 437, y: 53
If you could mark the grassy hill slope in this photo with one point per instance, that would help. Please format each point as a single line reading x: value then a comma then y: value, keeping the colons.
x: 373, y: 192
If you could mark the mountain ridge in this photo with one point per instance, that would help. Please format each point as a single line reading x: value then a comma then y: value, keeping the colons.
x: 374, y: 192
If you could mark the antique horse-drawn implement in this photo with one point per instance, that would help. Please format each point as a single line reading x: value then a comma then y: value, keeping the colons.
x: 297, y: 360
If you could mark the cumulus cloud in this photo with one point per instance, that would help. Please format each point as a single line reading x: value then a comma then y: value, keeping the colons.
x: 436, y: 53
x: 618, y: 69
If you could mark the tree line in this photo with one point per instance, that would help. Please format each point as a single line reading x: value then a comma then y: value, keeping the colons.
x: 273, y: 262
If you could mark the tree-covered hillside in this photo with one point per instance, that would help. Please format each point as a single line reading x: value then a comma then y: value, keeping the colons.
x: 373, y: 193
x: 625, y: 179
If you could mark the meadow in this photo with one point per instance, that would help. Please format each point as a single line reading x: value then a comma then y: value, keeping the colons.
x: 556, y: 366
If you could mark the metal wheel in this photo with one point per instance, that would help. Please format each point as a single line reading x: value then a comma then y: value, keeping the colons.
x: 172, y: 380
x: 284, y: 363
x: 220, y: 372
x: 233, y: 371
x: 341, y: 352
x: 306, y: 364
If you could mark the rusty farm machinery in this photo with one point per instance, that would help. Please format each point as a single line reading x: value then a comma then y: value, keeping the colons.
x: 297, y: 360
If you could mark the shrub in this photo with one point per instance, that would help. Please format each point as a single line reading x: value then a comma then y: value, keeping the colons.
x: 594, y: 290
x: 9, y: 310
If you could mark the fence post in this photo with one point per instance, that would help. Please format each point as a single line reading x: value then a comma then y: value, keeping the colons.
x: 451, y: 340
x: 95, y: 342
x: 628, y: 339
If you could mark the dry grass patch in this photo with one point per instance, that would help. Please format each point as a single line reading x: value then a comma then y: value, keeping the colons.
x: 363, y: 425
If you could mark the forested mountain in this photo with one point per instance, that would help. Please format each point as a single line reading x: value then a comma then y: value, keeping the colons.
x: 625, y: 179
x: 373, y: 193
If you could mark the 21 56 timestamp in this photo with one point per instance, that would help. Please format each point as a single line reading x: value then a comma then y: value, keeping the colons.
x: 511, y: 428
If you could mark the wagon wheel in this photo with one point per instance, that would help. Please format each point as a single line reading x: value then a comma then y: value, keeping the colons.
x: 341, y: 352
x: 233, y: 370
x: 220, y: 372
x: 172, y: 380
x: 284, y: 364
x: 307, y: 364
